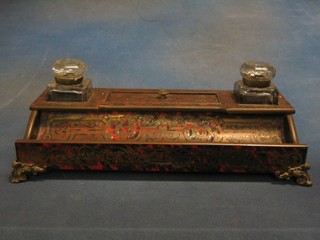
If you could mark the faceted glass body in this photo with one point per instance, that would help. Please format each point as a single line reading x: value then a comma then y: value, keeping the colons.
x: 254, y: 95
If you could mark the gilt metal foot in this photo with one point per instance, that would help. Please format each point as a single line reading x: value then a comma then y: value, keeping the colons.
x: 299, y: 174
x: 21, y: 171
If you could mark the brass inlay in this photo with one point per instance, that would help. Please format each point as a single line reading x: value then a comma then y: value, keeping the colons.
x: 162, y: 127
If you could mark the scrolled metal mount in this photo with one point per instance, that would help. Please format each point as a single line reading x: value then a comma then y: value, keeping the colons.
x: 21, y: 171
x: 299, y: 174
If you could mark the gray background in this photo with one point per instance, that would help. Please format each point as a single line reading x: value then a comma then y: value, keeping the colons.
x: 158, y: 44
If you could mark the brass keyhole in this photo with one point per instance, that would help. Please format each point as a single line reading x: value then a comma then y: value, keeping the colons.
x: 163, y: 93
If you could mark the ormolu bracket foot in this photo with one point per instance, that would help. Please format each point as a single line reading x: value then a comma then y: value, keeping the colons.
x: 21, y: 171
x: 299, y: 174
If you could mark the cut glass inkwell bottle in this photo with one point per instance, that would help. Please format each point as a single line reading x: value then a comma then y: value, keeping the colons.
x: 69, y: 84
x: 255, y: 86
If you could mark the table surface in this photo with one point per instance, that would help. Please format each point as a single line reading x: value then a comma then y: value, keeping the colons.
x: 158, y: 44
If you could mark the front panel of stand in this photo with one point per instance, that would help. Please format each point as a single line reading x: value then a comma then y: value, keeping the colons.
x: 161, y: 130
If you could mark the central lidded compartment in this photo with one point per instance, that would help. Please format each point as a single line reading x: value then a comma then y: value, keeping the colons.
x: 162, y: 97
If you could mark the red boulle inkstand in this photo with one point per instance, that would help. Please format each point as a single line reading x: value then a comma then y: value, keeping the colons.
x: 74, y: 126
